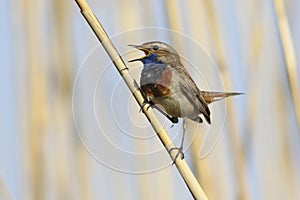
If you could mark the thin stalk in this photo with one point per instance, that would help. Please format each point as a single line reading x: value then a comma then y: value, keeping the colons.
x: 238, y: 150
x: 38, y: 116
x: 181, y: 165
x: 4, y: 192
x: 289, y: 55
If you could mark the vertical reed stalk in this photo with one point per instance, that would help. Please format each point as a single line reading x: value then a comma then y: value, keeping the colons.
x: 38, y: 112
x: 289, y: 56
x: 237, y: 149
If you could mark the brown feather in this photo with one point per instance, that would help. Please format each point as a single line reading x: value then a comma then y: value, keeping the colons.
x: 210, y: 97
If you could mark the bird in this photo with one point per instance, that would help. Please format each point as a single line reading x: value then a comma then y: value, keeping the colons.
x: 167, y: 86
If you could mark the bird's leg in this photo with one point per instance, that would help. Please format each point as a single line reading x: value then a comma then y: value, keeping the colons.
x: 183, y: 136
x: 180, y: 149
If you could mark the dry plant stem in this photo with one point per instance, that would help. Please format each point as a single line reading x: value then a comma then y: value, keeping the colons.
x: 237, y: 149
x: 289, y: 55
x: 38, y: 107
x: 181, y: 165
x: 4, y: 192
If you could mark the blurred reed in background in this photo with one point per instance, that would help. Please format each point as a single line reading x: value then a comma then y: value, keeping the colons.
x: 255, y: 47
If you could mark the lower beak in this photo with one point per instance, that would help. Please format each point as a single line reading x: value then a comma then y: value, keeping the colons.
x: 139, y: 48
x: 134, y: 60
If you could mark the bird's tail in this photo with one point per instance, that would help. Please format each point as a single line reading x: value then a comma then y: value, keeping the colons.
x: 210, y: 97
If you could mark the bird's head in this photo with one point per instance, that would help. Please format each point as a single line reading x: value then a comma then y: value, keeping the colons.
x: 156, y: 51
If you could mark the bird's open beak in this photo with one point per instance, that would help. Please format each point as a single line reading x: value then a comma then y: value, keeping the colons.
x: 139, y: 48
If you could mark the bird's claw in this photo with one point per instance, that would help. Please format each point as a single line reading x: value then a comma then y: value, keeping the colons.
x: 179, y: 152
x: 145, y: 103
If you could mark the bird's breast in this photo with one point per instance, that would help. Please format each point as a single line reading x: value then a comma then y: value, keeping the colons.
x: 155, y: 81
x: 163, y: 88
x: 166, y: 78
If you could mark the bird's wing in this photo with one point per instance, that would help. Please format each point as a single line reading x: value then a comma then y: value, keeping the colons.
x: 189, y: 87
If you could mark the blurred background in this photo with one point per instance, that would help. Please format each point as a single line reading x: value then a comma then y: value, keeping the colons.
x: 70, y: 129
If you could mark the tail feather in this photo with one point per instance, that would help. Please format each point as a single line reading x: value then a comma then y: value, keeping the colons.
x: 211, y: 97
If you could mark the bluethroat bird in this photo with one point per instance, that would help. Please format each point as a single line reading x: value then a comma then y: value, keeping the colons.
x: 167, y: 85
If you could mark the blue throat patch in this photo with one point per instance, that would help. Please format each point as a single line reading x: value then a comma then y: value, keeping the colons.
x: 152, y: 58
x: 152, y: 70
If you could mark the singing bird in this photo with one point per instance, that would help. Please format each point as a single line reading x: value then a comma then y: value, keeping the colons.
x: 167, y: 85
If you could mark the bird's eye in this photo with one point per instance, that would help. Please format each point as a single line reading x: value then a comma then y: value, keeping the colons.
x: 155, y: 47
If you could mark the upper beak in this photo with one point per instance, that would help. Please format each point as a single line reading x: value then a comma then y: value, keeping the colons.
x: 139, y: 48
x: 134, y: 46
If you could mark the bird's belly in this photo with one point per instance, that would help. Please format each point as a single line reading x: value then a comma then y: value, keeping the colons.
x: 169, y: 105
x: 176, y: 105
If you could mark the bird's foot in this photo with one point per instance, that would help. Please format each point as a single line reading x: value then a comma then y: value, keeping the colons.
x: 179, y: 152
x: 146, y: 103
